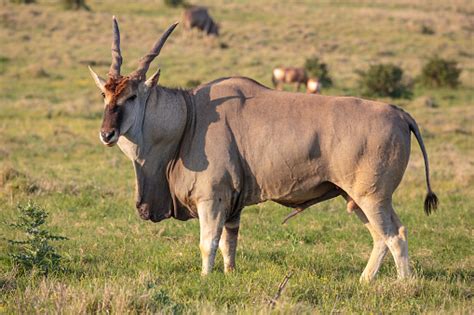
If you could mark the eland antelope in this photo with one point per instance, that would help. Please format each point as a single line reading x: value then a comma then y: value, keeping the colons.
x: 210, y: 151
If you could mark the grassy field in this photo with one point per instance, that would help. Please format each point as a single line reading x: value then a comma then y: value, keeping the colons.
x: 50, y: 113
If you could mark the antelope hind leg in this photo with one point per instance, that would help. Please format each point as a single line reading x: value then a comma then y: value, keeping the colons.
x: 387, y: 225
x: 379, y: 250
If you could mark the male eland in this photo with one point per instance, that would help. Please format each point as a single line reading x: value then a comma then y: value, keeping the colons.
x: 208, y: 152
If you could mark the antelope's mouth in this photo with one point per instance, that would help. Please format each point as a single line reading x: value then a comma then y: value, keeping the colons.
x: 160, y: 217
x: 146, y: 213
x: 110, y: 144
x: 109, y: 139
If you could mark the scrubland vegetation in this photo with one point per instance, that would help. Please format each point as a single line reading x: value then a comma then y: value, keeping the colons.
x: 50, y: 113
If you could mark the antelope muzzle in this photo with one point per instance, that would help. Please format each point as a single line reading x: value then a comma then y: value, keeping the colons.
x: 146, y: 212
x: 110, y: 131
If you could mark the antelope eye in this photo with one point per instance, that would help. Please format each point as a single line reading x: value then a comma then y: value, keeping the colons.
x: 103, y: 94
x: 132, y: 98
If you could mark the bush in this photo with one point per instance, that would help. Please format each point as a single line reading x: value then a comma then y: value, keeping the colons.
x: 23, y: 1
x: 384, y: 80
x: 192, y: 83
x: 317, y: 69
x: 426, y: 30
x: 34, y: 251
x: 438, y: 72
x: 174, y: 3
x: 75, y: 5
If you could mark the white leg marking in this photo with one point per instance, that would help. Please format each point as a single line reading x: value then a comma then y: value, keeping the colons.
x: 211, y: 222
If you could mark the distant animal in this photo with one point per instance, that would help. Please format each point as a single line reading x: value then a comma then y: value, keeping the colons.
x: 289, y: 75
x: 198, y: 17
x: 313, y: 86
x: 210, y: 151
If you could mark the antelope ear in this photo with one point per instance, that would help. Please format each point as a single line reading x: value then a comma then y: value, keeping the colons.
x: 98, y: 80
x: 153, y: 80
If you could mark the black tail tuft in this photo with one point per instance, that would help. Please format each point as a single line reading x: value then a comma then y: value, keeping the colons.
x: 431, y: 202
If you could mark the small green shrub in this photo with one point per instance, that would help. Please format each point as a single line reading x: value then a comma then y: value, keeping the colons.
x: 384, y: 80
x: 317, y: 69
x: 174, y: 3
x: 158, y: 301
x: 438, y: 72
x: 34, y: 250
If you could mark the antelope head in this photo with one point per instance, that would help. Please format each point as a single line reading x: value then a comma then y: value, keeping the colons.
x: 124, y: 96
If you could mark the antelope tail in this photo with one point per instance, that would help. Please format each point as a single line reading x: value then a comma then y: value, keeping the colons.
x: 431, y: 200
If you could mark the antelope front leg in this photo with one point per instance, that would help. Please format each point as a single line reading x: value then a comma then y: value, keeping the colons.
x: 228, y: 244
x: 211, y: 222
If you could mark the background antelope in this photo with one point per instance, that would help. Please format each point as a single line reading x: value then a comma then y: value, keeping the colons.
x: 199, y: 17
x: 289, y: 75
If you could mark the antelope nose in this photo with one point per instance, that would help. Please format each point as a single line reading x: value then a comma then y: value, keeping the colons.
x: 107, y: 136
x: 143, y: 210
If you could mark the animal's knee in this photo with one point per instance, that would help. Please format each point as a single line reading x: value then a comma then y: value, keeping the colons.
x: 208, y: 246
x: 398, y: 244
x: 205, y: 249
x: 232, y: 231
x: 232, y: 225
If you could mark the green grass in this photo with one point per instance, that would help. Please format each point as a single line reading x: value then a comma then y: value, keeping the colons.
x: 50, y: 112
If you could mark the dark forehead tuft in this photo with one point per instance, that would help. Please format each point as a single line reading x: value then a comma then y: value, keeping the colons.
x: 116, y: 85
